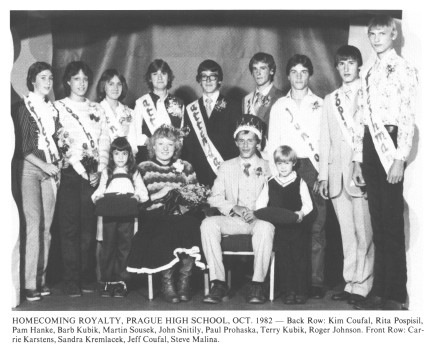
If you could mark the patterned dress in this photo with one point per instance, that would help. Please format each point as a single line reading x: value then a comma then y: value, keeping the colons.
x: 161, y: 237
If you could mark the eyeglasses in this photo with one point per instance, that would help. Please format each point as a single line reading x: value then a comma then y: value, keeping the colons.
x: 209, y: 78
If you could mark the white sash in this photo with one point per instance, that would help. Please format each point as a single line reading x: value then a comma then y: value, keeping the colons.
x: 115, y: 128
x: 212, y: 154
x: 345, y: 120
x: 49, y: 148
x: 305, y: 138
x: 382, y: 142
x: 153, y: 117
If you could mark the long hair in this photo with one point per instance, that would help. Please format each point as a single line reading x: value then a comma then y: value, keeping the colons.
x: 121, y: 144
x: 108, y: 75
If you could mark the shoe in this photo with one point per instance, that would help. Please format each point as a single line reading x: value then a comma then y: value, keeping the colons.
x: 370, y: 303
x: 185, y: 272
x: 300, y: 299
x: 106, y: 290
x: 256, y: 294
x: 342, y: 296
x: 120, y: 290
x: 88, y: 287
x: 71, y: 289
x: 355, y: 298
x: 32, y: 295
x: 289, y: 298
x: 168, y: 289
x: 44, y: 291
x: 218, y: 293
x: 390, y: 304
x: 316, y: 292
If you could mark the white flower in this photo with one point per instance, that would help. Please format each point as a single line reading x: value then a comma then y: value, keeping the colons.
x: 178, y: 166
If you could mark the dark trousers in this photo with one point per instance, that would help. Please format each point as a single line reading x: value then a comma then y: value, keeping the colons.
x: 386, y: 206
x: 77, y: 226
x: 292, y: 259
x: 115, y: 248
x: 316, y: 223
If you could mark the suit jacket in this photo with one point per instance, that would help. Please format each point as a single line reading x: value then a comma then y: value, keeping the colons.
x: 220, y: 129
x: 224, y: 194
x: 264, y: 110
x: 336, y: 154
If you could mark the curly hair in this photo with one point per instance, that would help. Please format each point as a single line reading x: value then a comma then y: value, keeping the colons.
x: 169, y: 132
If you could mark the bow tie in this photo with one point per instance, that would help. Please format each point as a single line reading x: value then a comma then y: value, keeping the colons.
x: 246, y: 169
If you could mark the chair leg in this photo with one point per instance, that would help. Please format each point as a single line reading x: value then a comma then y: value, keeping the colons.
x: 273, y: 259
x: 206, y: 283
x: 228, y: 275
x: 150, y: 286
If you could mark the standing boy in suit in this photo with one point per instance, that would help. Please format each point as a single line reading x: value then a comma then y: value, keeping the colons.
x: 235, y: 191
x: 337, y: 130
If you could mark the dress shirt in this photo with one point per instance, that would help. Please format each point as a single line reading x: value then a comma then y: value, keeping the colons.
x: 392, y: 85
x: 213, y: 99
x: 248, y: 191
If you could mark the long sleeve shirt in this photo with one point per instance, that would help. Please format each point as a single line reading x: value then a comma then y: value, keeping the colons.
x: 391, y: 88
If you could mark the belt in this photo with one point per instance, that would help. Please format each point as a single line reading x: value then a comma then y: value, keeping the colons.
x: 390, y: 129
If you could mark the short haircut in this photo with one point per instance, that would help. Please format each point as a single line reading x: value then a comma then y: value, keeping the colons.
x: 212, y: 66
x: 34, y: 70
x: 108, y: 75
x: 382, y: 21
x: 170, y: 133
x: 245, y: 132
x: 299, y: 59
x: 285, y: 153
x: 348, y: 52
x: 72, y: 69
x: 263, y: 58
x: 159, y: 64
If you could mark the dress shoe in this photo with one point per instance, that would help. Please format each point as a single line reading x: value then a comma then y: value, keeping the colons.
x: 256, y: 294
x: 32, y: 295
x: 370, y: 303
x: 316, y: 292
x: 355, y: 298
x: 390, y: 304
x: 300, y: 299
x: 44, y: 290
x: 342, y: 296
x: 289, y: 298
x: 218, y: 293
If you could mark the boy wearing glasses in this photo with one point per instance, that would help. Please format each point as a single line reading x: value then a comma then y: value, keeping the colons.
x: 212, y: 120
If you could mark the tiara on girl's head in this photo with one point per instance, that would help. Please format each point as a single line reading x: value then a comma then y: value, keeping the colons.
x: 178, y: 132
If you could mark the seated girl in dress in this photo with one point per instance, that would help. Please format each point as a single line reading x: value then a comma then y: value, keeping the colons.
x: 288, y: 201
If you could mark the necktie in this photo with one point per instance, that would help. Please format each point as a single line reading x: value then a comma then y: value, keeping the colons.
x: 257, y: 101
x: 209, y: 103
x: 246, y: 169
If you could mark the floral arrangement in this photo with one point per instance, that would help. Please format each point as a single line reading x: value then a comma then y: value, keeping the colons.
x: 125, y: 115
x: 94, y: 112
x: 264, y: 100
x: 89, y: 159
x: 220, y: 104
x: 193, y: 195
x: 316, y: 105
x: 259, y: 171
x: 174, y: 107
x: 390, y: 69
x: 178, y: 166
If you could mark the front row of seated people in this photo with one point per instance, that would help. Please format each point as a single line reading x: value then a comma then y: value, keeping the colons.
x: 359, y: 134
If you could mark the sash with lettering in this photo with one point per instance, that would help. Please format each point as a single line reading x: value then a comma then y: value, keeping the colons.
x: 343, y: 116
x: 306, y: 139
x: 112, y: 120
x: 45, y: 140
x: 382, y: 142
x: 197, y: 121
x: 153, y: 117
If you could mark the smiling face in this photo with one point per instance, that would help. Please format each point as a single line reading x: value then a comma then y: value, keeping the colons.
x: 247, y: 143
x: 159, y: 80
x: 164, y: 149
x: 78, y: 84
x: 284, y: 167
x: 299, y: 77
x: 113, y: 88
x: 209, y: 81
x: 43, y: 83
x: 262, y: 74
x: 381, y: 39
x: 348, y: 69
x: 120, y: 158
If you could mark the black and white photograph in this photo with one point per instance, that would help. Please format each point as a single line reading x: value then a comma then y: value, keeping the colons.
x: 205, y: 174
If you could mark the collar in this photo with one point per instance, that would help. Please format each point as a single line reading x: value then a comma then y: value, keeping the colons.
x: 353, y: 87
x: 285, y: 181
x: 252, y: 161
x: 390, y: 56
x: 214, y: 97
x: 264, y: 91
x: 37, y: 98
x: 160, y: 164
x: 155, y: 97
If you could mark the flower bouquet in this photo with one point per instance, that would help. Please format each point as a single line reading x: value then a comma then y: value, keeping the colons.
x: 193, y: 196
x: 89, y: 160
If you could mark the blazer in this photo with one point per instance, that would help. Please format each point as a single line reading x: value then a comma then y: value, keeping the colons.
x: 335, y: 162
x: 224, y: 194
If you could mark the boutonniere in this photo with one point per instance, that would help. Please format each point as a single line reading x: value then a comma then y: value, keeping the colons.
x: 259, y: 171
x: 266, y: 100
x: 220, y: 104
x: 390, y: 69
x: 178, y: 166
x: 316, y: 105
x: 174, y: 108
x: 94, y: 112
x: 126, y: 115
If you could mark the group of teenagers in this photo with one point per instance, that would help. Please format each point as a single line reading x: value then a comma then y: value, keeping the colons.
x: 271, y: 166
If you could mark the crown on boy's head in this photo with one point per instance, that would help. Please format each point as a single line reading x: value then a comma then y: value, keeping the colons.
x: 251, y: 123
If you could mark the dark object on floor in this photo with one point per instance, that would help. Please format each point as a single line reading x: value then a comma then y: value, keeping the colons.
x: 341, y: 296
x: 317, y: 292
x: 218, y: 293
x: 370, y: 303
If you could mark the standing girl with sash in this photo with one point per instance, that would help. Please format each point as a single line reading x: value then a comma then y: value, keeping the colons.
x: 212, y: 120
x: 39, y: 174
x: 86, y: 151
x: 157, y: 107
